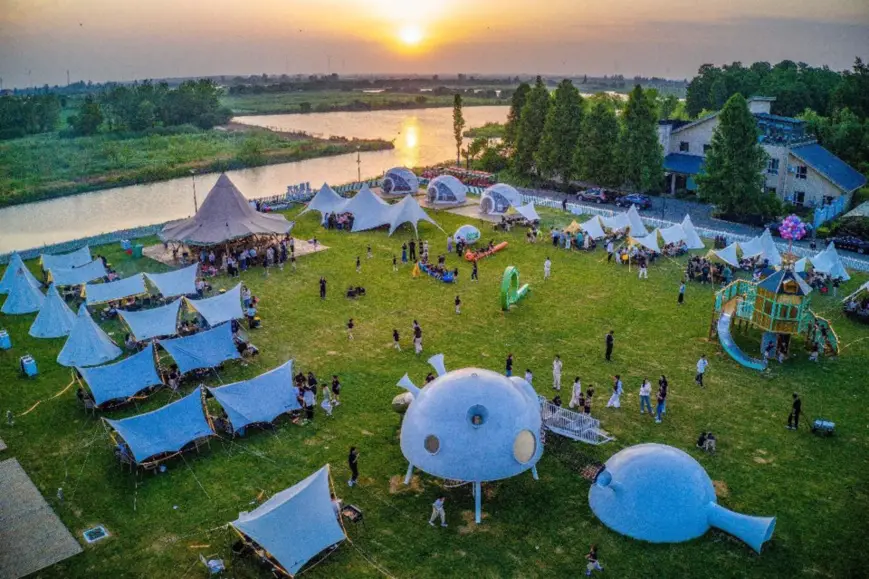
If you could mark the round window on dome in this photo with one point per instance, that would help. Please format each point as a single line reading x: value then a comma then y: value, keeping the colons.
x: 432, y: 444
x: 477, y: 415
x: 525, y: 446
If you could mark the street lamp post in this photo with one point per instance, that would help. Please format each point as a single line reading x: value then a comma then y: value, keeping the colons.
x: 358, y: 166
x: 195, y: 203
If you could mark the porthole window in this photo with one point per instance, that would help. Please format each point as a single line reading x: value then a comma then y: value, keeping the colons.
x: 477, y: 415
x: 525, y: 446
x: 432, y: 444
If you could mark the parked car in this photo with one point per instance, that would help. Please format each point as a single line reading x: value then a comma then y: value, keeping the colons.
x: 593, y: 196
x: 641, y: 201
x: 851, y: 244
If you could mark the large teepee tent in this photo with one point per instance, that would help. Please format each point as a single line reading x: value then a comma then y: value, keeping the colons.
x: 15, y: 263
x: 88, y: 344
x: 23, y: 298
x: 55, y: 319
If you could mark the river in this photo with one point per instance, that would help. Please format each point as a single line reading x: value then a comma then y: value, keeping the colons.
x: 422, y: 137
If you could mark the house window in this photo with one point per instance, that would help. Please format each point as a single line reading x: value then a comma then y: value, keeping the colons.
x: 799, y: 198
x: 802, y: 172
x: 684, y: 147
x: 772, y: 167
x: 706, y: 148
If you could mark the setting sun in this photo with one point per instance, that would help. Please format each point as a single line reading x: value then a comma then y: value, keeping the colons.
x: 410, y: 35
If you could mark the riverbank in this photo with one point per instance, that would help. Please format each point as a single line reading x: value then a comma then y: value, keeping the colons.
x: 49, y: 166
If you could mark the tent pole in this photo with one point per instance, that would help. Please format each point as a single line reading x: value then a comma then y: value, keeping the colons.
x: 409, y: 474
x: 478, y: 499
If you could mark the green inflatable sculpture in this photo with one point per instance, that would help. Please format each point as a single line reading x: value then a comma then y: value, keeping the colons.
x: 511, y: 293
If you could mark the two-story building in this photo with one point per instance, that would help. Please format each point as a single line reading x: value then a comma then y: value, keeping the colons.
x: 799, y: 170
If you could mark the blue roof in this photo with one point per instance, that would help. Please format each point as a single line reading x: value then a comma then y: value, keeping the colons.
x: 87, y: 344
x: 295, y: 524
x: 180, y: 282
x: 123, y: 379
x: 54, y: 319
x: 203, y: 350
x: 220, y: 308
x: 685, y: 164
x: 98, y: 293
x: 830, y: 166
x: 260, y: 399
x: 153, y: 323
x: 167, y: 429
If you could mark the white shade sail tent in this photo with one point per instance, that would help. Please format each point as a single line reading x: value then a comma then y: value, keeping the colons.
x: 77, y: 258
x: 649, y: 241
x: 99, y: 293
x: 220, y: 308
x: 751, y: 248
x: 829, y: 262
x: 728, y: 255
x: 636, y: 223
x: 593, y: 228
x: 770, y: 251
x: 618, y: 222
x: 180, y: 282
x: 16, y: 263
x: 408, y: 211
x: 23, y: 298
x: 673, y: 234
x: 326, y: 201
x: 153, y: 323
x: 54, y: 319
x: 63, y: 277
x: 87, y: 344
x: 692, y: 239
x: 446, y: 190
x: 368, y: 209
x: 528, y: 212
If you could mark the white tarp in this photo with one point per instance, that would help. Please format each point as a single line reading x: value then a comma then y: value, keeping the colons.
x: 800, y: 265
x: 692, y: 240
x: 407, y: 211
x: 673, y: 234
x: 751, y: 248
x: 637, y: 227
x: 369, y: 210
x: 78, y: 275
x: 593, y: 228
x: 528, y: 212
x: 728, y: 254
x: 77, y: 258
x: 99, y: 293
x: 617, y: 222
x: 770, y: 251
x: 828, y: 262
x: 325, y: 201
x: 649, y: 241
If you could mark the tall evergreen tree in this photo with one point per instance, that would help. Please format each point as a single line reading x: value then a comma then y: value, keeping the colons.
x: 517, y: 101
x: 733, y: 178
x: 531, y: 125
x: 458, y: 126
x: 596, y: 158
x: 561, y: 133
x: 642, y: 159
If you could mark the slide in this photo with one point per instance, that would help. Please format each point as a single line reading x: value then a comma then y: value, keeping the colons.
x: 730, y: 346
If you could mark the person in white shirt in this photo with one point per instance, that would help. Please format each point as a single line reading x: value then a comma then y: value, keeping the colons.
x: 576, y: 395
x: 615, y: 399
x: 547, y: 268
x: 702, y: 364
x: 437, y: 510
x: 609, y: 250
x: 529, y: 377
x: 556, y: 373
x: 645, y: 393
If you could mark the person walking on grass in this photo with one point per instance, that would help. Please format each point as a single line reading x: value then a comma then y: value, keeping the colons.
x: 474, y: 276
x: 702, y: 364
x: 644, y: 270
x: 449, y: 243
x: 796, y: 409
x: 358, y: 265
x: 403, y: 253
x: 458, y: 302
x: 326, y: 404
x: 417, y: 338
x: 394, y: 263
x: 322, y: 288
x: 509, y: 364
x: 615, y: 399
x: 610, y: 340
x: 593, y: 563
x: 661, y: 403
x: 547, y: 268
x: 610, y: 248
x: 681, y: 299
x: 645, y: 393
x: 437, y: 510
x: 412, y: 250
x: 556, y: 373
x: 353, y: 463
x: 350, y: 325
x: 395, y: 343
x: 529, y: 377
x: 370, y: 255
x: 665, y: 386
x: 576, y: 397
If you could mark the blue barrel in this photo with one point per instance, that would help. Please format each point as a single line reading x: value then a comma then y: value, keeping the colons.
x: 5, y: 340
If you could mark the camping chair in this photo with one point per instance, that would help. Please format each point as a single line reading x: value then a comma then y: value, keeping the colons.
x: 214, y: 566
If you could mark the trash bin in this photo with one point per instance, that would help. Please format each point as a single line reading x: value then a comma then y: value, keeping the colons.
x: 137, y: 251
x: 5, y: 340
x: 125, y: 244
x: 28, y: 366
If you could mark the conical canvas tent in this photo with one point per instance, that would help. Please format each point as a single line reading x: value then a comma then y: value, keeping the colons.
x: 100, y: 293
x: 220, y: 308
x: 637, y: 227
x: 325, y: 201
x: 369, y: 211
x: 180, y: 282
x: 649, y: 241
x: 408, y: 211
x: 16, y: 263
x: 54, y: 319
x: 295, y: 524
x: 593, y: 228
x: 800, y: 265
x: 618, y: 222
x: 258, y: 400
x: 727, y: 255
x: 122, y: 380
x: 225, y: 215
x: 528, y: 212
x: 673, y: 234
x: 87, y: 344
x: 829, y: 262
x: 165, y: 430
x: 692, y: 239
x: 207, y: 349
x: 770, y: 251
x: 64, y: 277
x: 77, y: 258
x: 751, y: 248
x: 573, y: 228
x: 154, y: 323
x: 23, y: 298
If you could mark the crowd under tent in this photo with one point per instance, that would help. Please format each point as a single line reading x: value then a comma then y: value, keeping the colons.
x: 592, y: 228
x: 727, y: 255
x: 100, y: 293
x: 220, y: 308
x: 498, y: 198
x: 181, y: 282
x: 122, y: 380
x: 400, y: 180
x: 636, y: 223
x: 407, y: 211
x: 751, y: 248
x: 64, y: 277
x: 224, y: 216
x: 618, y: 222
x: 203, y: 350
x: 829, y: 262
x: 649, y: 241
x: 16, y: 263
x: 857, y: 292
x: 692, y: 239
x: 259, y: 400
x: 294, y: 525
x: 22, y: 298
x: 673, y: 234
x: 573, y: 228
x: 368, y: 209
x: 528, y: 212
x: 153, y: 323
x: 77, y: 258
x: 55, y: 319
x: 446, y: 190
x: 156, y: 436
x: 87, y: 344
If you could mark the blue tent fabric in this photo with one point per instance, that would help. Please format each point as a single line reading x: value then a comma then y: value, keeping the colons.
x: 77, y: 258
x: 23, y: 298
x: 180, y: 282
x: 54, y: 319
x: 684, y: 164
x: 203, y: 350
x: 220, y: 308
x: 840, y: 173
x: 78, y: 275
x: 153, y: 323
x: 16, y: 263
x: 121, y: 380
x: 295, y: 524
x: 99, y: 293
x: 260, y: 399
x: 87, y: 344
x: 167, y: 429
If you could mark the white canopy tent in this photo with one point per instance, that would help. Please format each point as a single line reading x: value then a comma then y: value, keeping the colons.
x: 408, y: 211
x: 728, y: 255
x: 673, y: 234
x: 751, y: 248
x: 593, y: 228
x: 528, y: 212
x: 692, y: 240
x: 368, y: 209
x: 649, y: 241
x: 800, y: 265
x: 637, y: 227
x: 325, y: 201
x: 617, y: 222
x: 829, y: 262
x: 770, y: 251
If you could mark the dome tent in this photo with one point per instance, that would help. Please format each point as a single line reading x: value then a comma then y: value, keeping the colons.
x: 23, y: 298
x: 498, y: 198
x: 468, y: 233
x: 54, y: 319
x: 446, y: 189
x: 399, y: 180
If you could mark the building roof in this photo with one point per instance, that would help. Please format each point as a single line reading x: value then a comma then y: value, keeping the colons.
x: 830, y: 166
x: 771, y: 117
x: 681, y: 163
x: 775, y: 282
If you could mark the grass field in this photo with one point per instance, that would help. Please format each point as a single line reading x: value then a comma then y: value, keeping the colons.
x: 817, y: 487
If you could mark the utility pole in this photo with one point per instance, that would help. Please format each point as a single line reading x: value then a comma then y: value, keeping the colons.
x: 67, y: 77
x: 195, y: 203
x: 358, y: 166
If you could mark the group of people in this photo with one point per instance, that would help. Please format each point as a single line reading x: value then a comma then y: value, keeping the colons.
x: 339, y: 221
x: 417, y: 334
x: 566, y: 240
x: 306, y: 387
x: 702, y: 270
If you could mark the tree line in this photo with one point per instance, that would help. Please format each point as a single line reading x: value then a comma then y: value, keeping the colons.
x: 28, y: 115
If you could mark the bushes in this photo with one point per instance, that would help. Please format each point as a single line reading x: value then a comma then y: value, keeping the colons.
x: 849, y: 226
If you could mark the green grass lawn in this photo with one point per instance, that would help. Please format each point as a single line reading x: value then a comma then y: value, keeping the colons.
x: 817, y: 487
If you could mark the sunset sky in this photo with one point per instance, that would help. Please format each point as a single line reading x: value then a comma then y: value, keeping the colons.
x: 123, y: 39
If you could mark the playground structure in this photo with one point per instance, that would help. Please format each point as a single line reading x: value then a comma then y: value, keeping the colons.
x: 570, y: 424
x: 778, y: 305
x: 483, y: 253
x: 511, y: 292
